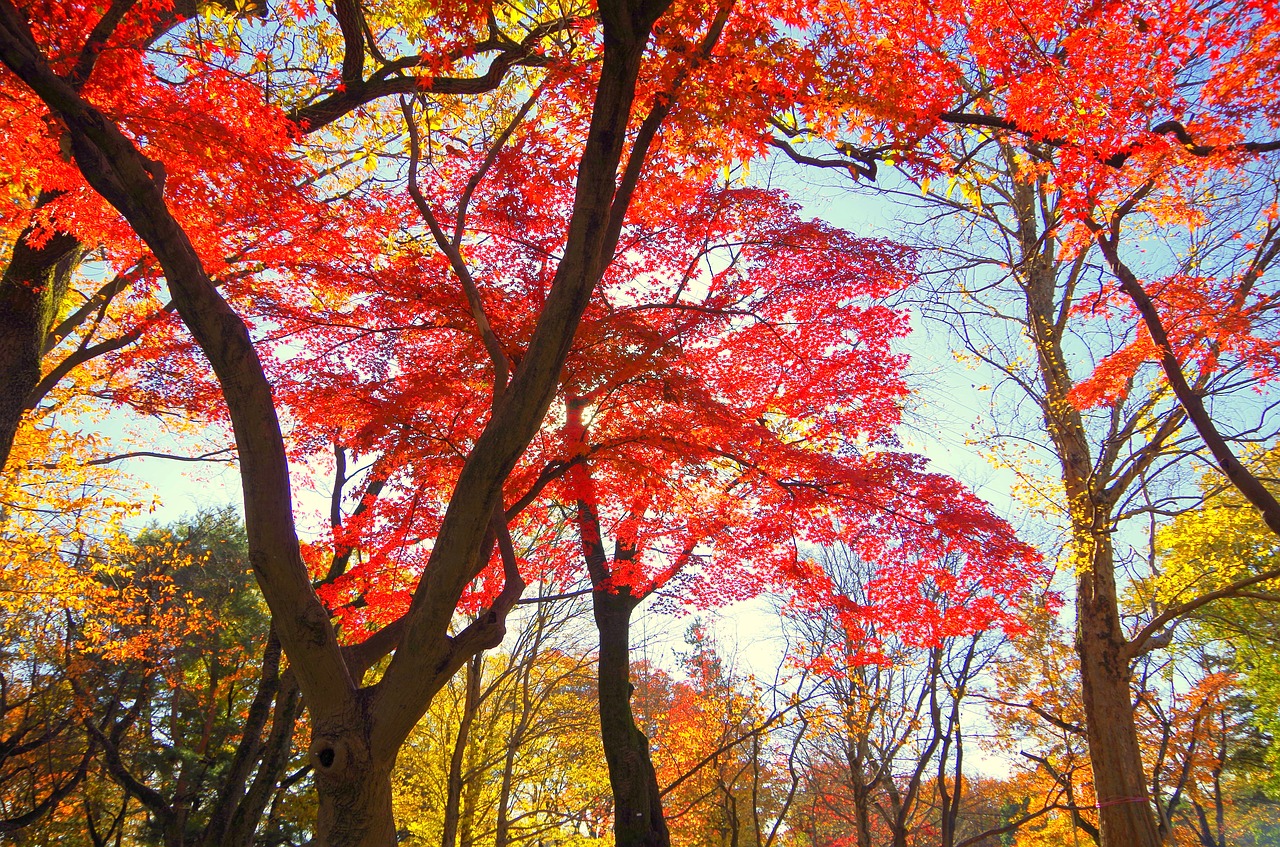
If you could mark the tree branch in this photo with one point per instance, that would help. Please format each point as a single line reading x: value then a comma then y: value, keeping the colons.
x: 211, y: 456
x: 1248, y: 484
x: 1141, y: 643
x: 117, y: 170
x: 1118, y: 159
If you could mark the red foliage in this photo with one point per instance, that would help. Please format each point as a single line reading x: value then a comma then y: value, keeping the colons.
x: 731, y: 395
x: 730, y: 399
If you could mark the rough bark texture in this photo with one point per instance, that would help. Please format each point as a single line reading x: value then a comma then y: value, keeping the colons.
x: 1125, y: 815
x: 354, y: 784
x: 637, y: 809
x: 1119, y: 780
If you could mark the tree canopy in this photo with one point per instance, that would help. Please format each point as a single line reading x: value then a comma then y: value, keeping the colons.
x: 499, y: 277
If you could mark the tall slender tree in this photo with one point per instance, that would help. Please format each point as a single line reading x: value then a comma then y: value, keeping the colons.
x: 1083, y: 150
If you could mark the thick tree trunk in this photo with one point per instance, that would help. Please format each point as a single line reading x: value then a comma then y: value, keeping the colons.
x: 1125, y: 815
x: 358, y: 732
x: 360, y: 813
x: 354, y: 788
x: 1119, y: 780
x: 31, y: 293
x: 637, y: 801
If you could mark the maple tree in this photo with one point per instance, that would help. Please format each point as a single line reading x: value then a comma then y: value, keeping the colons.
x: 490, y: 259
x: 1128, y: 118
x: 732, y: 446
x: 1029, y: 188
x: 728, y: 470
x: 357, y: 733
x: 622, y: 360
x: 885, y: 753
x: 1108, y: 462
x: 211, y: 118
x: 723, y: 744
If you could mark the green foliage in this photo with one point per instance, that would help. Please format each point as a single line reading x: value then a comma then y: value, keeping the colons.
x: 1205, y: 550
x: 148, y: 684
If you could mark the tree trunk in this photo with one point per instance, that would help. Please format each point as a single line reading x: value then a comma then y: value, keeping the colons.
x: 861, y: 795
x: 502, y: 828
x: 470, y: 798
x: 637, y: 801
x: 249, y: 810
x: 453, y: 787
x: 31, y: 293
x: 358, y: 732
x: 359, y: 814
x: 354, y: 789
x: 1125, y: 816
x: 249, y: 750
x: 1119, y: 780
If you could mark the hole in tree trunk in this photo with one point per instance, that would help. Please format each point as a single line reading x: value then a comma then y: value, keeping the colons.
x: 329, y: 755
